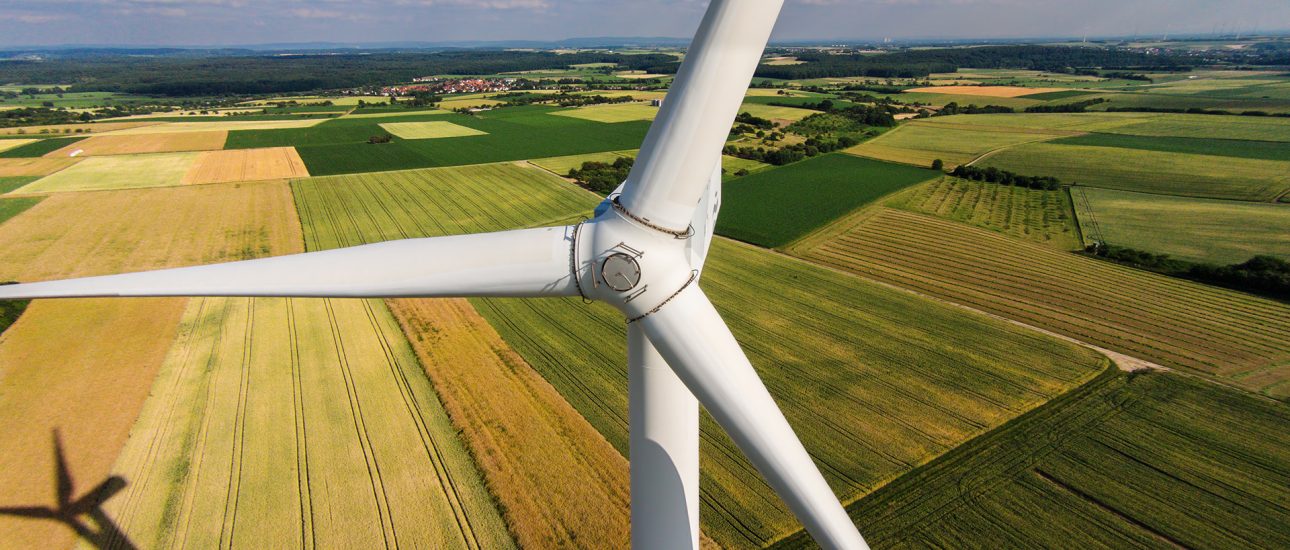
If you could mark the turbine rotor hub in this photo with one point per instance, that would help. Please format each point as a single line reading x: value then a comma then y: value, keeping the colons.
x: 630, y: 264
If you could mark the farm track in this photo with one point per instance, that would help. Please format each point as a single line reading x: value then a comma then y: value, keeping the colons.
x: 1078, y: 297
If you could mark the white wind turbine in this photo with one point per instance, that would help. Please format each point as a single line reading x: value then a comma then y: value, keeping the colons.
x: 642, y: 253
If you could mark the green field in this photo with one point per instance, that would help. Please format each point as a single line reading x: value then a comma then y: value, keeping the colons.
x: 1152, y: 460
x: 430, y: 202
x: 775, y: 207
x: 515, y: 133
x: 919, y: 144
x: 1200, y: 230
x: 562, y: 165
x: 1149, y: 171
x: 1233, y: 338
x: 1033, y: 214
x: 431, y: 129
x: 774, y: 112
x: 1051, y: 96
x: 1210, y: 126
x: 1070, y: 122
x: 8, y: 184
x: 622, y: 112
x: 116, y: 172
x: 940, y: 100
x: 730, y: 165
x: 39, y: 148
x: 875, y: 381
x: 12, y: 207
x: 928, y: 376
x: 1270, y: 150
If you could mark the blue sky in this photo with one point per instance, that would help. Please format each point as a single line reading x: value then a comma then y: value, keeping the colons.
x: 220, y: 22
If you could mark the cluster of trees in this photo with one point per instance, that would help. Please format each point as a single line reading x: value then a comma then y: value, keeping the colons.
x: 35, y: 116
x: 571, y: 100
x: 953, y: 108
x: 919, y: 63
x: 791, y: 153
x: 380, y: 138
x: 754, y: 121
x: 602, y: 177
x: 1076, y: 107
x: 1264, y: 275
x: 258, y: 73
x: 994, y: 175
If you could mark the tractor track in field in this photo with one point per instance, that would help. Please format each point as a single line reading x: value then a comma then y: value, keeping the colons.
x: 360, y: 430
x: 199, y: 451
x: 433, y: 453
x: 239, y: 429
x: 304, y: 491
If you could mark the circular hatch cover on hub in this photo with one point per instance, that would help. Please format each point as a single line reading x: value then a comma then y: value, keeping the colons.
x: 620, y: 272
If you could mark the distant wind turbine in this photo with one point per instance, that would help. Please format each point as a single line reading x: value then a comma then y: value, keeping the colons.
x: 642, y: 253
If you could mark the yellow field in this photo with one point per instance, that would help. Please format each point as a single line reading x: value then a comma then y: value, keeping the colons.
x: 219, y: 125
x: 429, y: 129
x: 84, y: 368
x: 621, y: 112
x: 410, y: 112
x: 919, y: 144
x: 987, y: 91
x: 33, y: 166
x: 280, y: 423
x: 7, y: 144
x: 559, y: 481
x: 246, y: 165
x: 145, y: 143
x: 775, y: 112
x: 71, y: 129
x: 115, y: 172
x: 97, y: 233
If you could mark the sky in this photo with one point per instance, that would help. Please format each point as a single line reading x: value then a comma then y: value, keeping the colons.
x: 234, y: 22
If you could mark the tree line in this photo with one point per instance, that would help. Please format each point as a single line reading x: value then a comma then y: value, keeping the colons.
x: 919, y: 63
x: 1263, y: 275
x: 991, y: 174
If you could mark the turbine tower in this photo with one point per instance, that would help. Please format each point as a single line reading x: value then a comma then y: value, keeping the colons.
x: 643, y: 253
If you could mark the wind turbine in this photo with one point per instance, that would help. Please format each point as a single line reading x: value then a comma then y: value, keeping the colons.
x: 643, y: 253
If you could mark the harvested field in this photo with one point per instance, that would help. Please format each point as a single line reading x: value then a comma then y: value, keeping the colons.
x: 144, y: 143
x: 65, y: 129
x: 348, y: 210
x: 246, y: 165
x: 219, y: 126
x: 621, y: 112
x: 876, y: 381
x: 1150, y: 171
x: 7, y: 144
x: 1201, y: 230
x: 562, y: 165
x: 1033, y: 214
x: 429, y: 129
x: 1147, y: 460
x: 115, y: 172
x: 986, y: 91
x: 147, y: 229
x: 559, y: 481
x: 1234, y: 338
x: 82, y: 368
x: 920, y: 144
x: 33, y: 166
x: 298, y: 423
x: 395, y: 114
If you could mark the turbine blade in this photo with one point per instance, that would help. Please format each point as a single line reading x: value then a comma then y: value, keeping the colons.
x: 527, y: 262
x: 672, y: 169
x: 698, y: 346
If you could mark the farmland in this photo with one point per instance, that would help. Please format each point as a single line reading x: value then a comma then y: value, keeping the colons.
x: 558, y: 480
x: 95, y: 127
x: 1200, y: 230
x: 622, y: 112
x: 562, y: 165
x: 1210, y: 126
x: 12, y: 207
x: 771, y: 208
x: 245, y: 165
x: 143, y: 143
x: 775, y: 112
x: 340, y: 146
x: 279, y: 422
x: 986, y: 91
x: 1145, y: 460
x: 429, y: 130
x: 917, y: 378
x: 1270, y: 150
x: 8, y: 144
x: 116, y: 172
x: 919, y: 144
x: 30, y: 148
x: 1034, y: 214
x: 10, y: 183
x: 1230, y: 337
x: 1149, y: 171
x: 182, y: 226
x: 10, y: 167
x: 215, y: 126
